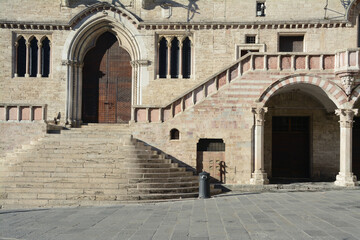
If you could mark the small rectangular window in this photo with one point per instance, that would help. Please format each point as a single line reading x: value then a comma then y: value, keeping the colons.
x: 291, y: 43
x: 250, y: 39
x: 260, y: 9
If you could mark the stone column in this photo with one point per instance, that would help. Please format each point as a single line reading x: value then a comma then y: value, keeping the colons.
x: 345, y: 176
x: 27, y: 60
x: 180, y: 57
x: 158, y: 60
x: 169, y: 57
x: 39, y: 73
x: 259, y: 177
x: 79, y: 72
x: 16, y: 59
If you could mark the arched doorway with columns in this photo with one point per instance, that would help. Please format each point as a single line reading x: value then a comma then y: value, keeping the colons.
x: 118, y: 27
x: 301, y: 140
x: 107, y: 81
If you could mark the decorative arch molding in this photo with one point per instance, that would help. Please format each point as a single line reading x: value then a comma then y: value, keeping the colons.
x: 330, y: 89
x: 352, y: 11
x: 99, y: 7
x: 355, y: 96
x: 83, y: 38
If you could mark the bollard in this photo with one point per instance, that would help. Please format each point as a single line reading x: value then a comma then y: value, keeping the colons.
x: 204, y: 185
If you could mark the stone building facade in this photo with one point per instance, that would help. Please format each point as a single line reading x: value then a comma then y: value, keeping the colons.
x: 248, y: 90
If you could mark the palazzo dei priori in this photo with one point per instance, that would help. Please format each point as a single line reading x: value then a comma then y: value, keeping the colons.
x: 128, y: 100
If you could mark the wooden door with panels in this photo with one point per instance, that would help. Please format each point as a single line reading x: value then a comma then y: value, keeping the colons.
x: 107, y: 76
x: 211, y: 159
x: 291, y: 147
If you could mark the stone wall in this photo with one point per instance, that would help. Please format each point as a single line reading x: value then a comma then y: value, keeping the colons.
x: 324, y: 132
x: 227, y: 115
x: 213, y: 48
x: 14, y: 135
x: 181, y: 10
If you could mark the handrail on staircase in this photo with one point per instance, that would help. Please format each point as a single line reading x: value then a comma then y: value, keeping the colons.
x: 342, y: 60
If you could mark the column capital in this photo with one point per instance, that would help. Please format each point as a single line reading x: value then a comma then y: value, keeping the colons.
x: 346, y: 117
x: 259, y: 113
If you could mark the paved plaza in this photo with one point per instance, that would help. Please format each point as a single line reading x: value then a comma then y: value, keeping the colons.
x: 268, y: 215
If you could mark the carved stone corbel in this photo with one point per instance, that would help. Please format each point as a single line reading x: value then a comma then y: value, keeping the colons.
x: 348, y: 82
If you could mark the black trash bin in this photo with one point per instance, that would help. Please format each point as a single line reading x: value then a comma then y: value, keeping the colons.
x: 204, y: 185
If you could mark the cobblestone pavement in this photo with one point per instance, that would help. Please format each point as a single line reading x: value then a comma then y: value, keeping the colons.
x: 269, y: 215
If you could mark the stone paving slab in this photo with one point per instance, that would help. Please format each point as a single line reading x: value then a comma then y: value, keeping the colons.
x: 265, y: 215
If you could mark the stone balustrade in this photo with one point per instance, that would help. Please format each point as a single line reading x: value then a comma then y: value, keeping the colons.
x: 347, y: 61
x: 10, y: 112
x: 292, y: 62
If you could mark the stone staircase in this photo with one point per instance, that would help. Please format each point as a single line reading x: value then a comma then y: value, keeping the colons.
x: 94, y: 165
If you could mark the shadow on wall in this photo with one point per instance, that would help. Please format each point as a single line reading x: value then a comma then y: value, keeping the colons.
x: 192, y: 7
x: 87, y: 3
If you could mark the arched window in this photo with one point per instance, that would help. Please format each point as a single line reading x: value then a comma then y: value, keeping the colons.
x: 174, y: 134
x: 45, y: 57
x: 174, y: 70
x: 20, y: 57
x: 174, y: 58
x: 163, y: 58
x: 33, y: 58
x: 186, y: 58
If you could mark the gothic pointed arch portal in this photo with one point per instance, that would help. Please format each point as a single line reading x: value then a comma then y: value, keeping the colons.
x: 88, y: 26
x: 107, y: 77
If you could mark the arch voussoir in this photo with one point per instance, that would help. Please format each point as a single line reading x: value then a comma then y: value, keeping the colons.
x: 333, y: 92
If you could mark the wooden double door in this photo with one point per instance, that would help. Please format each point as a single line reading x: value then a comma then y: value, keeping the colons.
x: 107, y: 76
x: 291, y: 147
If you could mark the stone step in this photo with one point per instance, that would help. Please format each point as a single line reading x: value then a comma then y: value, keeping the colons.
x: 71, y: 172
x: 180, y: 179
x: 58, y: 184
x: 84, y: 201
x: 51, y: 163
x: 86, y: 154
x: 59, y: 181
x: 60, y: 161
x: 158, y: 175
x: 144, y: 191
x: 168, y: 185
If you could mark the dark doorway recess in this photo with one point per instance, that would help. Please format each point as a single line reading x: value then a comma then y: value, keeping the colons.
x: 106, y: 96
x: 291, y: 147
x: 356, y: 147
x: 211, y: 159
x: 291, y: 43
